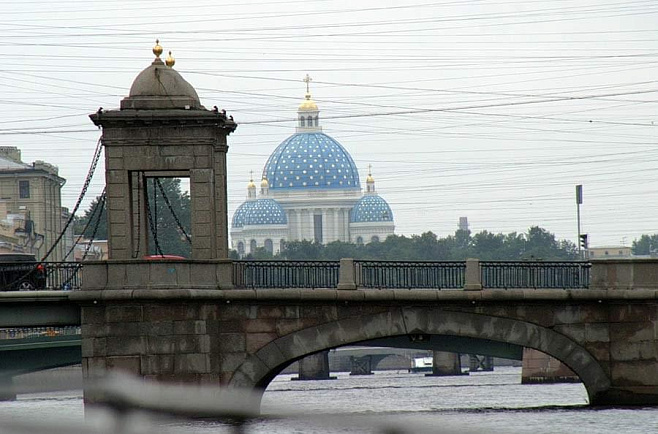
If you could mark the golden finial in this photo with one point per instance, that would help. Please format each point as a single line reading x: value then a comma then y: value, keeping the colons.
x: 157, y: 50
x: 370, y: 178
x: 170, y: 61
x: 264, y: 183
x: 251, y: 180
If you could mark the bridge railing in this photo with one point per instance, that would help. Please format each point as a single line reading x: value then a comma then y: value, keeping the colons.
x: 514, y: 274
x: 63, y: 275
x: 410, y: 274
x: 27, y: 276
x: 36, y: 332
x: 285, y: 274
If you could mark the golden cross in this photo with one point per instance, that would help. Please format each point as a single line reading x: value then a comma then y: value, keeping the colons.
x: 307, y: 80
x: 251, y: 175
x: 369, y: 169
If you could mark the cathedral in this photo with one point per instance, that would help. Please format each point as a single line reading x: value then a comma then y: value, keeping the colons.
x: 310, y: 190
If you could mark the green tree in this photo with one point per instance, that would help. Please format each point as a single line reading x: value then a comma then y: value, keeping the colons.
x: 83, y: 225
x: 171, y: 238
x: 645, y: 245
x: 170, y: 217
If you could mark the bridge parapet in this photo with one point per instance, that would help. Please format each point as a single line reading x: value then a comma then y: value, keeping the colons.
x: 158, y: 274
x: 625, y: 274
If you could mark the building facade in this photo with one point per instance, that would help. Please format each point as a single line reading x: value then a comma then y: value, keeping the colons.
x: 31, y: 213
x: 310, y: 189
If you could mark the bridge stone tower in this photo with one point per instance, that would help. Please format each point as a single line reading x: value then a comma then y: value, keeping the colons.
x: 162, y: 130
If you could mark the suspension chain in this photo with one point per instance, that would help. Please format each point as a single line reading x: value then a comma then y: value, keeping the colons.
x: 96, y: 209
x: 173, y: 213
x: 158, y: 250
x: 85, y: 186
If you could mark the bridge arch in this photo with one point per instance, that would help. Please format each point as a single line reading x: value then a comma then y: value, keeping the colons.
x: 259, y: 369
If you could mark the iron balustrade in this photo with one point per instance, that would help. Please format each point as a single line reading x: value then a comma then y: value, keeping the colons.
x: 285, y: 274
x: 63, y: 275
x: 410, y: 274
x: 38, y: 332
x: 513, y: 274
x: 25, y: 276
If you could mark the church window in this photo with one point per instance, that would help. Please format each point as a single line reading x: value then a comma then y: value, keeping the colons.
x: 359, y: 241
x: 241, y: 248
x: 374, y: 239
x: 310, y: 121
x: 302, y: 122
x: 317, y: 121
x: 269, y: 246
x: 252, y: 246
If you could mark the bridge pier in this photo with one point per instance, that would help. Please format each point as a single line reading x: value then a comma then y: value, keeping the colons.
x: 539, y: 368
x: 7, y: 391
x: 361, y: 365
x: 445, y: 364
x: 480, y: 363
x: 315, y: 367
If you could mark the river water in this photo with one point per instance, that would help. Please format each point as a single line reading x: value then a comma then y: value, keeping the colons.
x: 486, y: 402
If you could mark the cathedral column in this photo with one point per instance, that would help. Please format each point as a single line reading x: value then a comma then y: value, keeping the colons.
x: 337, y: 228
x: 311, y: 216
x: 346, y: 224
x: 325, y: 226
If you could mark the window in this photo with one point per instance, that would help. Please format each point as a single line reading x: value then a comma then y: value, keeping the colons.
x: 24, y: 189
x: 359, y: 241
x: 301, y: 121
x: 269, y: 246
x: 375, y: 239
x: 317, y: 227
x: 310, y: 121
x: 317, y: 122
x: 252, y: 246
x: 241, y: 248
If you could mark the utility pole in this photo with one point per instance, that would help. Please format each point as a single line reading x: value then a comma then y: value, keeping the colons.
x: 582, y: 238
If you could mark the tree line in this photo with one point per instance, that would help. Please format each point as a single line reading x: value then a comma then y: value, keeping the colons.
x: 535, y: 244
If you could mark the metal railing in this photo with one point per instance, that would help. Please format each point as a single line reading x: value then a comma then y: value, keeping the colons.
x: 509, y: 274
x: 285, y: 274
x: 38, y: 332
x: 63, y: 275
x: 26, y: 276
x: 410, y: 274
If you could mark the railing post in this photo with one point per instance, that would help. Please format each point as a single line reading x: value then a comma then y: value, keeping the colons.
x: 346, y: 274
x: 473, y: 275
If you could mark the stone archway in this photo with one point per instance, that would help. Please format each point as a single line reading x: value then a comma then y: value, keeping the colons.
x: 261, y: 367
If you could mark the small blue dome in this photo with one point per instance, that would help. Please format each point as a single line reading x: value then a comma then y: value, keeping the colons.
x: 371, y: 208
x: 240, y: 213
x: 311, y: 160
x: 265, y: 212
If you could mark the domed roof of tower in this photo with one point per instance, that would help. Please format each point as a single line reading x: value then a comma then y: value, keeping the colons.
x: 371, y: 209
x: 311, y: 160
x: 308, y: 104
x: 265, y: 212
x: 159, y: 86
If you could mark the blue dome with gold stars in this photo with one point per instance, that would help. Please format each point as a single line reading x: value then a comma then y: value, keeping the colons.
x: 264, y: 212
x: 371, y: 208
x: 240, y: 214
x: 311, y: 160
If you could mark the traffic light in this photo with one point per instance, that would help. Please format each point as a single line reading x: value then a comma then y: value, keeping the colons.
x: 583, y: 241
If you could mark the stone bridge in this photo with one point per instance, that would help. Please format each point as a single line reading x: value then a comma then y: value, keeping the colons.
x: 244, y: 337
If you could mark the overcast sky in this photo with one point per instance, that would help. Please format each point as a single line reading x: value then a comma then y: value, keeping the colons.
x: 494, y: 110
